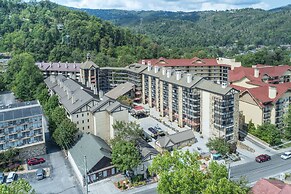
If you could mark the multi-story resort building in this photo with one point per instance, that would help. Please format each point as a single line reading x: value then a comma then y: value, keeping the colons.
x: 192, y: 101
x: 265, y: 93
x: 98, y: 79
x: 91, y: 114
x: 210, y: 69
x: 22, y: 126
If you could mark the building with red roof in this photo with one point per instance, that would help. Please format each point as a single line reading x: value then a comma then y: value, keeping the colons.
x: 259, y: 75
x: 267, y: 186
x: 211, y: 69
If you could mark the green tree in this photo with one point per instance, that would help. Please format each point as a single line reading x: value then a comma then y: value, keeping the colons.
x: 130, y: 131
x: 125, y: 155
x: 27, y: 80
x: 14, y: 67
x: 179, y: 172
x: 20, y: 186
x: 51, y: 104
x: 58, y: 115
x: 287, y: 122
x: 219, y: 144
x: 65, y: 133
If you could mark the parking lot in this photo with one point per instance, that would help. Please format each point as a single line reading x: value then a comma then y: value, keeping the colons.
x: 59, y: 175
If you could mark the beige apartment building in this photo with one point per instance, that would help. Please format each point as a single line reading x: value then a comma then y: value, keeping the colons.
x: 91, y: 114
x: 190, y: 100
x: 265, y: 92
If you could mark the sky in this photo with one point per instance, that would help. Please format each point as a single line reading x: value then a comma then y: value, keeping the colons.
x: 174, y: 5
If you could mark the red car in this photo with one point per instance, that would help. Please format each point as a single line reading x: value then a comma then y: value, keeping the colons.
x: 34, y: 161
x: 263, y: 158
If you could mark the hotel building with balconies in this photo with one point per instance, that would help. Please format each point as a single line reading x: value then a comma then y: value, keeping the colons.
x: 191, y: 100
x: 22, y: 126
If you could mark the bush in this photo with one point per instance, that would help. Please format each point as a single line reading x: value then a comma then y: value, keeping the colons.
x: 118, y: 185
x: 20, y: 168
x: 124, y: 187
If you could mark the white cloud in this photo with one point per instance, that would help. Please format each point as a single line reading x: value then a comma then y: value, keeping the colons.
x: 171, y: 5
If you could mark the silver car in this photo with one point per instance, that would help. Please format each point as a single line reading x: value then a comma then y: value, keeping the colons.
x: 1, y: 177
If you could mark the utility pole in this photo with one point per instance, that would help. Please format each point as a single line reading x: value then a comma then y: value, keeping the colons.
x: 228, y: 171
x: 86, y: 179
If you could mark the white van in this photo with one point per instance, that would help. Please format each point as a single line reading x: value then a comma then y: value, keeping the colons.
x: 11, y: 177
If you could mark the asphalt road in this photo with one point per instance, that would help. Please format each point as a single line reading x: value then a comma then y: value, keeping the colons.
x: 254, y: 171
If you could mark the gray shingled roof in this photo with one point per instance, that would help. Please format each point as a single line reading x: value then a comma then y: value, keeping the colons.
x: 146, y: 149
x: 172, y: 79
x: 176, y: 138
x: 136, y: 67
x: 81, y: 97
x: 119, y: 90
x: 88, y: 65
x: 93, y: 147
x: 213, y: 88
x: 197, y: 82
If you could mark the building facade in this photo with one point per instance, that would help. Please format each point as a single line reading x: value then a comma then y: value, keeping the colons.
x: 193, y: 101
x: 22, y: 126
x: 90, y: 113
x: 264, y: 92
x: 210, y: 69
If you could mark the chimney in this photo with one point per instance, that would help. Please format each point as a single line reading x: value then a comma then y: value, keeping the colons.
x: 224, y: 85
x: 189, y: 78
x: 169, y: 73
x: 178, y: 75
x: 149, y: 65
x: 256, y: 72
x: 73, y: 98
x: 67, y: 65
x: 75, y: 66
x: 53, y: 79
x: 51, y: 64
x: 59, y: 65
x: 143, y: 62
x: 69, y: 94
x: 164, y: 71
x: 272, y: 92
x: 156, y: 68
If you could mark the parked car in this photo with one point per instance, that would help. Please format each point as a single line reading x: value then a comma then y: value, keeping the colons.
x: 34, y: 161
x: 263, y: 158
x: 40, y: 174
x: 286, y: 155
x: 11, y: 177
x: 1, y: 177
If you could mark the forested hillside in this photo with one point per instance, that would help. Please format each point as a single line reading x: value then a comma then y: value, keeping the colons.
x: 51, y: 32
x: 207, y: 28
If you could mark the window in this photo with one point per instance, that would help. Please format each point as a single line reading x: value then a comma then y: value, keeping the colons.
x: 113, y: 171
x: 77, y: 122
x: 87, y: 114
x: 88, y: 120
x: 82, y: 115
x: 88, y: 127
x: 105, y: 173
x: 83, y: 128
x: 82, y: 121
x: 77, y: 115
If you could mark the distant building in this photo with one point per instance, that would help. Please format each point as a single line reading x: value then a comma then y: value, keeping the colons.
x: 98, y: 159
x: 209, y: 69
x: 193, y: 101
x: 22, y: 126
